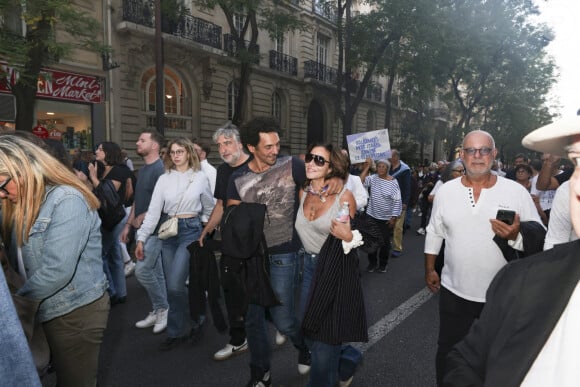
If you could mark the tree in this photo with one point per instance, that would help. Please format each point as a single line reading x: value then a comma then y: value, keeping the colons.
x: 274, y: 18
x: 498, y: 70
x: 53, y: 30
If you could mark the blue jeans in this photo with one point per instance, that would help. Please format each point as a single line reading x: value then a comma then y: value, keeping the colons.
x: 284, y: 274
x: 149, y: 273
x: 176, y: 267
x: 113, y: 263
x: 309, y: 262
x: 325, y: 361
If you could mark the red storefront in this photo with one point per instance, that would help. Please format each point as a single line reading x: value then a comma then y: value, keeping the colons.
x: 68, y: 106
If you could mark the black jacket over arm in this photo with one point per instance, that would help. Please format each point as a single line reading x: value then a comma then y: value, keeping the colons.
x: 523, y: 304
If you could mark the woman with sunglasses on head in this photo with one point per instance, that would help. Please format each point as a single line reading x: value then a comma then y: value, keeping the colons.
x: 183, y: 191
x: 384, y: 207
x: 323, y: 237
x: 109, y: 165
x: 50, y: 218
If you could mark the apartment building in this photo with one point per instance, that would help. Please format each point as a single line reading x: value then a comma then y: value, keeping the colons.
x: 293, y: 79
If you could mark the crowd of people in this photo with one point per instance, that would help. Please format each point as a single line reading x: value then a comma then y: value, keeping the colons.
x: 289, y: 232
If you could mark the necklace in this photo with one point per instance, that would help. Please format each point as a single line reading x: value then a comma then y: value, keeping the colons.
x: 311, y: 191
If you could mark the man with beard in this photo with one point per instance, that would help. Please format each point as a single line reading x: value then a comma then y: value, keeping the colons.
x: 232, y: 153
x: 149, y: 270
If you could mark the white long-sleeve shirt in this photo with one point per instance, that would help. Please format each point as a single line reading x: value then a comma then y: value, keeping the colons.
x: 167, y: 198
x: 560, y: 228
x: 360, y: 193
x: 472, y: 258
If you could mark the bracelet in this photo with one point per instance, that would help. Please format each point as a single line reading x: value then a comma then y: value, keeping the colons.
x: 355, y: 242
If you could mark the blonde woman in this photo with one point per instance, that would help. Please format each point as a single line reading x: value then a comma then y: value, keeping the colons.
x: 51, y: 219
x: 182, y: 191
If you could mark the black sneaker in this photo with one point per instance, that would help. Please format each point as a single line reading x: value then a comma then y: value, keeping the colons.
x: 172, y: 342
x: 382, y: 269
x: 371, y: 267
x: 304, y: 361
x: 259, y: 378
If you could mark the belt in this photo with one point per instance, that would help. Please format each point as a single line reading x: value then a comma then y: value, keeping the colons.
x: 186, y: 216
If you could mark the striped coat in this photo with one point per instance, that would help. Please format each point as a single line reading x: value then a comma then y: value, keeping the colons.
x: 336, y: 312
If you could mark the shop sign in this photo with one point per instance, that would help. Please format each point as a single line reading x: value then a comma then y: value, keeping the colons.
x: 40, y: 131
x: 59, y: 85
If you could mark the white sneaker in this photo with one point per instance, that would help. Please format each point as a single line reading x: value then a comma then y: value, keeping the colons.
x: 160, y: 321
x: 280, y: 338
x: 129, y: 268
x: 148, y: 321
x: 345, y: 383
x: 230, y: 350
x: 421, y: 231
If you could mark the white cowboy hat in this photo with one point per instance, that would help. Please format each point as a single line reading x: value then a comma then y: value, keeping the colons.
x: 554, y: 137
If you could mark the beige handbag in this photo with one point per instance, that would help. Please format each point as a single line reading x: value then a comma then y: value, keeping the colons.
x: 169, y: 228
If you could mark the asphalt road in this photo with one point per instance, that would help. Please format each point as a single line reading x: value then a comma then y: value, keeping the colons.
x: 402, y: 319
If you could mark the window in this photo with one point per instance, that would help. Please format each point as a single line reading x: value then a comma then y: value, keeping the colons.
x: 239, y: 19
x: 322, y: 43
x: 175, y: 103
x: 277, y: 106
x: 233, y: 91
x: 279, y: 44
x: 173, y: 90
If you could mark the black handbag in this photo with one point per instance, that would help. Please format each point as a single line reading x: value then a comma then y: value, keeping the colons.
x: 111, y: 210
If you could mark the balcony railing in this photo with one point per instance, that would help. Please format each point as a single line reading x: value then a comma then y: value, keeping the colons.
x: 375, y: 92
x: 325, y: 9
x: 230, y: 46
x: 188, y: 27
x: 284, y: 63
x: 319, y: 72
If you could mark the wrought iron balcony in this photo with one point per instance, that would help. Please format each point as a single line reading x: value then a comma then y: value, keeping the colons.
x: 230, y: 46
x: 284, y: 63
x: 187, y: 27
x: 319, y: 72
x: 375, y: 91
x: 324, y: 9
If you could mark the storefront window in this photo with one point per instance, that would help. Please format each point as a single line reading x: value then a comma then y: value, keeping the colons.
x: 68, y: 122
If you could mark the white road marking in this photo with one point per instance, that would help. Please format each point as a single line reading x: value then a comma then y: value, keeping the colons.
x: 382, y: 327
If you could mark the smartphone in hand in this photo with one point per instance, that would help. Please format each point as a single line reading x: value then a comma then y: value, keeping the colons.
x: 506, y: 216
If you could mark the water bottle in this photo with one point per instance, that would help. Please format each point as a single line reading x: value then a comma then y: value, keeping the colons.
x: 344, y: 213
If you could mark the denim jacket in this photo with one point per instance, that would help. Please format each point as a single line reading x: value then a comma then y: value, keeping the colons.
x: 62, y: 257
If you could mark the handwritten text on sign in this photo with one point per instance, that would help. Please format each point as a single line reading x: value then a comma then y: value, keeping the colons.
x: 374, y: 145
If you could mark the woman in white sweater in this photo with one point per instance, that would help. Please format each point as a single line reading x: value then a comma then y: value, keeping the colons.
x: 183, y: 192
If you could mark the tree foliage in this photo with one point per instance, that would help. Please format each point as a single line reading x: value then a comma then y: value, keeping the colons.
x: 53, y: 30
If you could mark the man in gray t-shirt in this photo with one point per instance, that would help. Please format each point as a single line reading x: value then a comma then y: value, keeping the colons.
x: 149, y: 270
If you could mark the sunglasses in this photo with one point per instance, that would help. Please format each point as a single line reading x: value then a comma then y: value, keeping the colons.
x: 3, y: 186
x: 459, y: 170
x: 473, y: 151
x: 318, y: 160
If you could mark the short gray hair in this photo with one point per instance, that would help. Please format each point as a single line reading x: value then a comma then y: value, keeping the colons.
x: 229, y: 130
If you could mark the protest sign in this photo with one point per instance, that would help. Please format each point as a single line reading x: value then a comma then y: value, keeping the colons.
x: 374, y: 145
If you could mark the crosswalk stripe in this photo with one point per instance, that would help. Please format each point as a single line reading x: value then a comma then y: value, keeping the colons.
x: 382, y: 327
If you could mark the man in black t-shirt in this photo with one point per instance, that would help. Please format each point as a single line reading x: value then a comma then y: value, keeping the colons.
x: 232, y: 153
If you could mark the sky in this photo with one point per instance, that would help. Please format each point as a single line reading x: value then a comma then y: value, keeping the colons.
x: 563, y: 16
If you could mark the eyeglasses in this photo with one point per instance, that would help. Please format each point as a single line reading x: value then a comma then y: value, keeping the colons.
x: 3, y: 186
x: 459, y: 170
x: 178, y: 152
x: 318, y: 160
x: 473, y: 151
x: 521, y: 171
